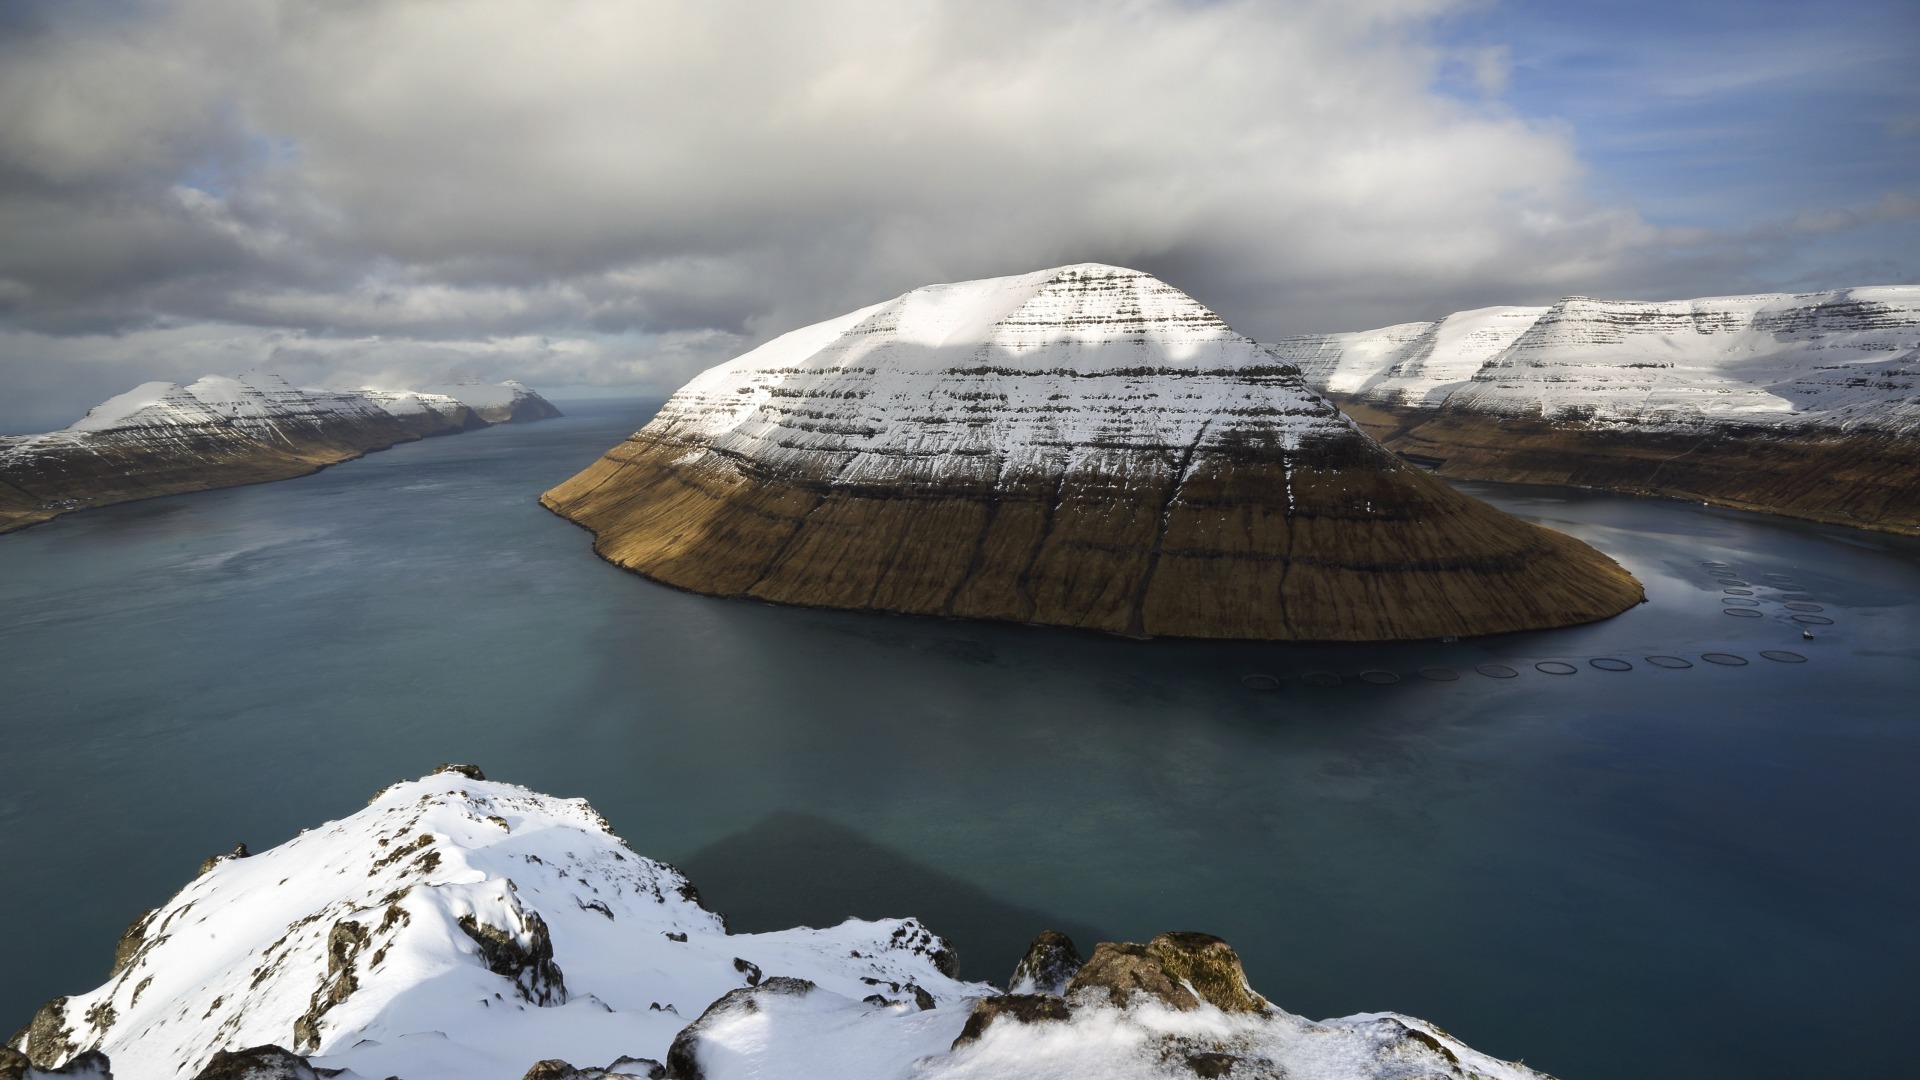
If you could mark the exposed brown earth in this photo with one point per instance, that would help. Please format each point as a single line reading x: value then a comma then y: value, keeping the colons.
x: 1336, y: 541
x: 1865, y: 480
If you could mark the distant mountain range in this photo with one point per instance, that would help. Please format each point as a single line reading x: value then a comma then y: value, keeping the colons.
x: 161, y: 438
x: 1803, y: 404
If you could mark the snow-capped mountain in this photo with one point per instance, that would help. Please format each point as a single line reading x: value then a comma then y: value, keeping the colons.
x: 1083, y: 446
x: 1845, y: 360
x: 161, y: 438
x: 1805, y: 404
x: 464, y: 929
x: 506, y: 402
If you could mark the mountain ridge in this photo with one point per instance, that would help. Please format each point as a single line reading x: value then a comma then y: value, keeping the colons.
x: 1804, y: 404
x: 161, y: 438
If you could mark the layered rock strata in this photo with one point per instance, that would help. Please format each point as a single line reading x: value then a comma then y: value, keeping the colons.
x: 1085, y: 447
x: 463, y: 929
x: 1806, y: 405
x: 164, y: 439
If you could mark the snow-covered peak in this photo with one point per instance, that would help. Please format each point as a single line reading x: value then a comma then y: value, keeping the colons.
x: 143, y: 404
x: 457, y: 927
x: 1023, y: 375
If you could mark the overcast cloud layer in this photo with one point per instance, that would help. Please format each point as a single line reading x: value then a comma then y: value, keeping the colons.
x: 625, y: 191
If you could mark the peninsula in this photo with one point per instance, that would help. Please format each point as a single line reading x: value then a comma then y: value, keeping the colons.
x: 1802, y: 404
x: 1085, y: 446
x: 164, y: 439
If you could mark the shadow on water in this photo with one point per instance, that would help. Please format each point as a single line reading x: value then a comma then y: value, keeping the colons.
x: 794, y: 867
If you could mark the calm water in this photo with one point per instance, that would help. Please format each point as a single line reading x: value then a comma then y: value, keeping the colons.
x: 1700, y: 871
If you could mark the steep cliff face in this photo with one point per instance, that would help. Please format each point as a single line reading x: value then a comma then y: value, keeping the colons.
x: 1800, y: 404
x: 464, y: 929
x: 164, y: 439
x: 1085, y: 446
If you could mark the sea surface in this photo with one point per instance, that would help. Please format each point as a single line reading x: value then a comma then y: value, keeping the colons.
x: 1710, y: 870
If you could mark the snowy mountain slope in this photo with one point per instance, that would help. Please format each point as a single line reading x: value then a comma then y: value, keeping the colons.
x: 998, y: 380
x: 161, y: 438
x: 1844, y: 360
x: 1083, y: 446
x: 462, y: 928
x: 457, y: 928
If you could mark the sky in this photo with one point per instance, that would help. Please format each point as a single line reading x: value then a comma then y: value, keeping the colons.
x: 616, y: 194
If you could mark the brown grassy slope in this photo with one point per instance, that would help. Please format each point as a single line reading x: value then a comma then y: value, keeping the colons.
x: 1369, y: 549
x: 1867, y: 481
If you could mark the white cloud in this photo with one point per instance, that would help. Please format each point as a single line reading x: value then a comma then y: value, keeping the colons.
x: 663, y: 178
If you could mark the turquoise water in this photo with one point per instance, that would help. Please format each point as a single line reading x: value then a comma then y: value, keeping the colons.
x: 1612, y: 874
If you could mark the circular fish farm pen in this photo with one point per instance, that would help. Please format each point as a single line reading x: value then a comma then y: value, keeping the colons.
x: 1379, y: 678
x: 1674, y: 663
x: 1783, y: 656
x: 1439, y: 674
x: 1745, y: 613
x: 1813, y: 620
x: 1496, y: 671
x: 1724, y: 659
x: 1555, y: 667
x: 1608, y: 663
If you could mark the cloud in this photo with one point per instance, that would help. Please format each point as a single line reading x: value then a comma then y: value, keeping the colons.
x: 372, y: 188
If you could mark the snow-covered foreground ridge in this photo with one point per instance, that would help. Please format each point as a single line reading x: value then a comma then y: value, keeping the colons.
x: 462, y: 928
x: 1842, y: 360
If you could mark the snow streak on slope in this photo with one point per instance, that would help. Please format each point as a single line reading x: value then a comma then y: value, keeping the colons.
x: 1846, y: 360
x: 461, y: 929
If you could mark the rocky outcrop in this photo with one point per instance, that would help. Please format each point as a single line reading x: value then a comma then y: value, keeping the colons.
x: 1049, y: 965
x: 1082, y: 447
x: 163, y: 439
x: 1806, y: 405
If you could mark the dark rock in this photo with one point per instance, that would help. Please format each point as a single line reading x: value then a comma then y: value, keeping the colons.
x: 267, y: 1062
x: 683, y: 1057
x: 1050, y: 964
x: 1211, y: 1066
x: 637, y: 1067
x: 128, y: 948
x: 530, y: 967
x: 344, y: 943
x: 1019, y: 1008
x: 749, y: 969
x: 920, y: 997
x: 92, y: 1065
x: 552, y: 1069
x: 674, y: 936
x: 1181, y: 969
x: 239, y: 852
x: 48, y: 1037
x: 471, y: 772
